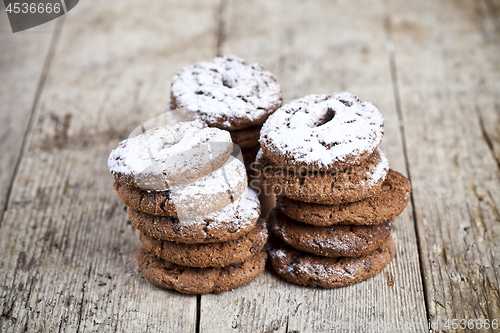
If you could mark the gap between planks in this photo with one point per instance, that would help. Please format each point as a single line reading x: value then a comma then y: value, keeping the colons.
x: 493, y: 10
x: 77, y: 202
x: 220, y: 36
x: 221, y: 27
x: 279, y: 305
x: 41, y: 83
x: 486, y: 137
x: 455, y: 178
x: 397, y: 98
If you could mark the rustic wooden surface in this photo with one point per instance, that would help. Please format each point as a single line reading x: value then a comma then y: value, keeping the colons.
x: 306, y: 59
x: 449, y: 79
x: 22, y: 67
x: 74, y: 88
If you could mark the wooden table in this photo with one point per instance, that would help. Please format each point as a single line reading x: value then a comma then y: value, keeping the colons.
x: 72, y: 89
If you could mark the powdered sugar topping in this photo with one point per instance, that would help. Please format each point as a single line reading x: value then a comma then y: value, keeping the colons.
x: 380, y: 170
x: 278, y: 253
x: 171, y: 151
x: 245, y: 210
x: 323, y: 129
x: 226, y: 90
x: 220, y: 186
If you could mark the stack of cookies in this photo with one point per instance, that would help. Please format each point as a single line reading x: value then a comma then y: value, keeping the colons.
x: 230, y: 94
x: 336, y: 196
x: 186, y: 192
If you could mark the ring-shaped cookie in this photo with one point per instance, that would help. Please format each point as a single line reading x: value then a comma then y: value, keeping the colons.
x: 334, y: 241
x: 317, y: 271
x: 326, y: 187
x: 384, y: 205
x: 229, y: 223
x: 227, y: 92
x: 209, y: 255
x: 203, y: 196
x: 322, y: 132
x: 190, y: 280
x: 168, y: 156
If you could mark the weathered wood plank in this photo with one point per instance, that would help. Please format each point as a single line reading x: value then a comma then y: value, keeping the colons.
x: 493, y: 7
x: 489, y: 28
x: 446, y: 56
x: 22, y: 61
x: 68, y: 253
x: 319, y: 47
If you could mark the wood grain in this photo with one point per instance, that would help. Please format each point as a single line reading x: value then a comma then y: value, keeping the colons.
x: 21, y: 70
x: 448, y: 80
x: 488, y: 25
x: 322, y: 47
x: 68, y: 253
x: 493, y: 8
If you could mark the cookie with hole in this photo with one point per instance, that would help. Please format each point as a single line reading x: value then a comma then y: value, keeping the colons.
x: 385, y: 204
x: 229, y: 223
x: 227, y: 92
x: 333, y: 241
x: 209, y: 254
x: 328, y: 132
x: 325, y: 187
x: 317, y: 271
x: 203, y: 196
x: 170, y: 156
x: 191, y: 280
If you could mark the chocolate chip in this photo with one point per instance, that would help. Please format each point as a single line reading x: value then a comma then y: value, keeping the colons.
x: 254, y: 248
